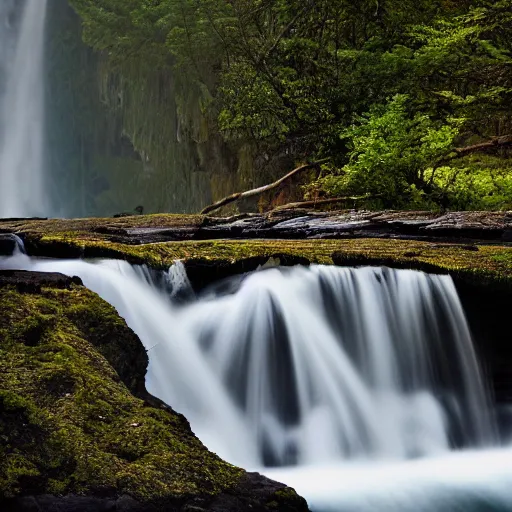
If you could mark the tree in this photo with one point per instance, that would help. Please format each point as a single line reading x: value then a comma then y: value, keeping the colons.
x: 392, y: 153
x: 386, y: 89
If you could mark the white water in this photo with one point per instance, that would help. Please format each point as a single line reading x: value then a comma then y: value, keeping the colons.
x: 348, y: 373
x: 456, y: 482
x: 22, y: 177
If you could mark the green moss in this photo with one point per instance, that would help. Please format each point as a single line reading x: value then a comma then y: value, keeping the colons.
x: 68, y: 420
x: 284, y: 500
x: 81, y: 227
x: 488, y: 262
x: 96, y: 238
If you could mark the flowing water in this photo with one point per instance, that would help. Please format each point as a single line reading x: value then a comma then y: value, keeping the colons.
x: 22, y: 176
x: 359, y: 387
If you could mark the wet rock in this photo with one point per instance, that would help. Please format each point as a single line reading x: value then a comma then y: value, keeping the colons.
x: 47, y: 503
x: 255, y: 493
x: 287, y: 224
x: 204, y: 272
x: 487, y: 310
x: 26, y: 281
x: 7, y: 245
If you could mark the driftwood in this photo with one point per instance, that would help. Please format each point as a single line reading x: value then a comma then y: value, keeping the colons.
x: 260, y: 190
x: 321, y: 202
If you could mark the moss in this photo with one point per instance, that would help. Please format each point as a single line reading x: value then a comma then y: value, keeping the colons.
x: 485, y: 262
x: 284, y: 500
x: 68, y: 421
x: 82, y: 227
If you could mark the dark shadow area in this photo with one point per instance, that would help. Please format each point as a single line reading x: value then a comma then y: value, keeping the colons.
x: 489, y: 313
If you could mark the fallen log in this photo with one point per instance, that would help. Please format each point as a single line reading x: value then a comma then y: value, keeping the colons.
x: 318, y: 203
x: 260, y: 190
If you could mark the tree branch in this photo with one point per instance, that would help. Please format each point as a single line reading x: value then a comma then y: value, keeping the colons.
x: 283, y: 32
x: 495, y: 142
x: 260, y: 190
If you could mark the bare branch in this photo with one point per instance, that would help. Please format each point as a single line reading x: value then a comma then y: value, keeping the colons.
x: 495, y: 142
x: 260, y: 190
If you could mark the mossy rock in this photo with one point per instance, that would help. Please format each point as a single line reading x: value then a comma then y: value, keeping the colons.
x: 76, y: 422
x: 481, y: 263
x: 477, y: 261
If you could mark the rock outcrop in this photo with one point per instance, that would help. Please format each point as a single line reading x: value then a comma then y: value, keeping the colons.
x: 286, y: 224
x: 472, y: 245
x: 78, y: 431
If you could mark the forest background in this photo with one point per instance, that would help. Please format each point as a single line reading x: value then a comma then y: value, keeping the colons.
x: 409, y: 102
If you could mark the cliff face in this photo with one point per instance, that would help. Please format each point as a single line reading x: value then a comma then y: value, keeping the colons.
x: 122, y: 134
x: 78, y: 431
x: 86, y: 149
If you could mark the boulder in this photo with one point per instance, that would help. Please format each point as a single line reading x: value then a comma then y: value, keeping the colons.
x: 78, y: 430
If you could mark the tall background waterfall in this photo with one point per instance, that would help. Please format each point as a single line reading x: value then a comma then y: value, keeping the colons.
x: 81, y: 136
x: 22, y: 177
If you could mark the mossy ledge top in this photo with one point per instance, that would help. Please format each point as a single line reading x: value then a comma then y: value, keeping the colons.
x: 470, y: 245
x: 77, y: 428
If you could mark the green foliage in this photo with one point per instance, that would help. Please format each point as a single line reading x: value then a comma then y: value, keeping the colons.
x: 255, y: 109
x: 390, y: 150
x: 330, y: 78
x: 479, y: 182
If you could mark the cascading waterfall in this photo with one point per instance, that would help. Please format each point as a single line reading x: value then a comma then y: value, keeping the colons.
x: 22, y: 178
x: 364, y: 380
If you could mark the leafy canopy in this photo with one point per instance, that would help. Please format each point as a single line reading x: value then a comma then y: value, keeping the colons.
x: 387, y: 89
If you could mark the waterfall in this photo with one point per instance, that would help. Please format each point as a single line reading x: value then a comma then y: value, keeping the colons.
x: 309, y: 365
x: 22, y: 178
x: 360, y: 387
